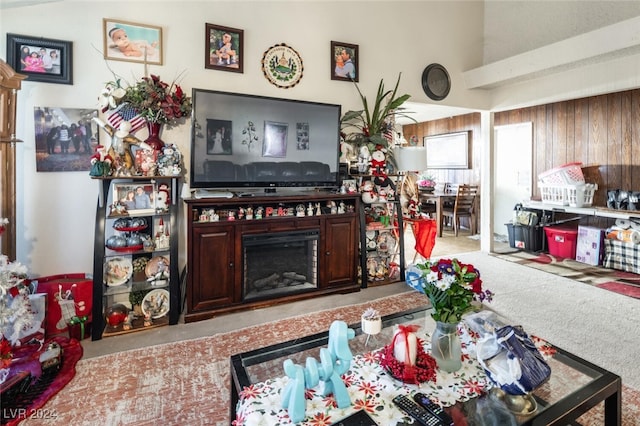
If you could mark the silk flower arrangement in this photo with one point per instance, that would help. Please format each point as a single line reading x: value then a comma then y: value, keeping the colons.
x: 450, y: 285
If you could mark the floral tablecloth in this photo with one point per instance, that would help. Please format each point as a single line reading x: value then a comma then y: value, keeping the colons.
x: 371, y: 389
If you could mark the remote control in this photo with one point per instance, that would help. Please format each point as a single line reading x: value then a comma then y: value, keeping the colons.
x: 424, y: 401
x: 419, y: 413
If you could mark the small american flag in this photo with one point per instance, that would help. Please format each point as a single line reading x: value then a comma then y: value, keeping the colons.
x: 126, y: 112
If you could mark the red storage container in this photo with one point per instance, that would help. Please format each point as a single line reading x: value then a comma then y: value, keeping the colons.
x: 562, y: 242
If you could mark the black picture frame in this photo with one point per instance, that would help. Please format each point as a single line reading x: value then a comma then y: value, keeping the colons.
x: 213, y: 35
x: 59, y: 73
x: 344, y: 75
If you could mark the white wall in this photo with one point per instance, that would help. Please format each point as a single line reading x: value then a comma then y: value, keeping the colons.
x: 56, y: 211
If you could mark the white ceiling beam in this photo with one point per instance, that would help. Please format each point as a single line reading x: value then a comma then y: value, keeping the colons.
x: 595, y: 46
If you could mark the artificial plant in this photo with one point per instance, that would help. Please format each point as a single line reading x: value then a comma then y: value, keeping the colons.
x: 368, y: 125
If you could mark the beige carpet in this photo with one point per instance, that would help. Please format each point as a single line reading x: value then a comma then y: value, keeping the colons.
x: 187, y: 383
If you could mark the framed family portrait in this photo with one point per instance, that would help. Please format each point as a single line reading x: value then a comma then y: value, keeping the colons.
x: 131, y: 42
x: 344, y: 61
x: 275, y: 139
x: 65, y: 138
x: 223, y: 48
x: 41, y: 59
x: 136, y: 198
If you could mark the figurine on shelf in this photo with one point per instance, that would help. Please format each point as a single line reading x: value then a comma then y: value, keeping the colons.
x: 364, y: 159
x: 101, y: 162
x: 120, y: 147
x: 378, y: 166
x: 368, y: 192
x: 300, y: 210
x: 241, y: 213
x: 259, y: 212
x: 310, y: 210
x: 413, y: 209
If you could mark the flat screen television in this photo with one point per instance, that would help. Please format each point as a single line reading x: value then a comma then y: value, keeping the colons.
x: 247, y: 141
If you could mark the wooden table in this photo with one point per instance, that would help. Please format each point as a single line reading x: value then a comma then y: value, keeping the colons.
x: 438, y: 198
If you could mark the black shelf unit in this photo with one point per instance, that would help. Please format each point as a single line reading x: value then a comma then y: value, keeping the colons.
x: 101, y: 252
x: 396, y: 224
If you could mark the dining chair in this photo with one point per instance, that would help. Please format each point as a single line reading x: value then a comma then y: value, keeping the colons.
x: 464, y: 206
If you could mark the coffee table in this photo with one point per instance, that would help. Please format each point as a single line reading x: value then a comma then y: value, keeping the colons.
x: 575, y: 385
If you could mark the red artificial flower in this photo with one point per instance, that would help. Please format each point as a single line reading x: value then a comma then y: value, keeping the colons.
x: 5, y: 353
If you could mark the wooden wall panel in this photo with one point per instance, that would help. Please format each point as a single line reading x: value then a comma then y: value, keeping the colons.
x: 602, y: 132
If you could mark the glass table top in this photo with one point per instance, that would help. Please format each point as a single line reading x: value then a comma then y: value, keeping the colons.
x: 574, y: 383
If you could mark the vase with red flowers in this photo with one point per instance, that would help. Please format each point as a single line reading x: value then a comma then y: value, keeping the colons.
x: 451, y: 287
x: 159, y: 103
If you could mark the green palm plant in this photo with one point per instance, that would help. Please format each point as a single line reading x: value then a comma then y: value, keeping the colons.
x: 367, y: 126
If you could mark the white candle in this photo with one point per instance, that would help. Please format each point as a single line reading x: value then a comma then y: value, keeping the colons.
x: 405, y: 346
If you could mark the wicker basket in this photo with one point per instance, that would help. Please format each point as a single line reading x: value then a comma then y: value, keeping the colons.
x: 567, y: 174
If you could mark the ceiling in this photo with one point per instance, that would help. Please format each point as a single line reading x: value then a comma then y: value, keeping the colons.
x: 421, y: 112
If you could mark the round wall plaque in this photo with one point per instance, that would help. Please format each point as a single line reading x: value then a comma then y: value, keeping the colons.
x: 282, y: 66
x: 436, y: 82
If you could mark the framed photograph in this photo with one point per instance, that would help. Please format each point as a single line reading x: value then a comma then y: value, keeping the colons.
x: 344, y: 61
x: 131, y: 42
x: 448, y: 151
x: 219, y: 137
x: 42, y: 59
x: 66, y: 138
x: 224, y: 48
x: 136, y: 198
x: 302, y: 136
x: 275, y: 139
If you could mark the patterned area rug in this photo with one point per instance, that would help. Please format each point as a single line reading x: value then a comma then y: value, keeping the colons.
x: 620, y: 282
x: 187, y: 383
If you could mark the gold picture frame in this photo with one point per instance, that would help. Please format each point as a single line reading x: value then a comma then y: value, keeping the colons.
x: 132, y: 42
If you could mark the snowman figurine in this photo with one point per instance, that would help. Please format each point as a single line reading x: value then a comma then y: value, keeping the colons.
x: 368, y: 191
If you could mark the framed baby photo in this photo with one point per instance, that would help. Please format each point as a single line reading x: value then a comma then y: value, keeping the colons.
x: 41, y: 59
x: 224, y: 48
x: 131, y: 42
x: 344, y: 61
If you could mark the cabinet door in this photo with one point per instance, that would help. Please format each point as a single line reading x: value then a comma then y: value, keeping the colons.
x: 213, y: 268
x: 341, y: 257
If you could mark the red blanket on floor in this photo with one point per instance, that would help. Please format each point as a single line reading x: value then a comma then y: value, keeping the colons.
x: 27, y: 359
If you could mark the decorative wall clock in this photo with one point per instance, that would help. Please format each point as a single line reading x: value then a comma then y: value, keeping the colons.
x: 282, y: 66
x: 436, y: 82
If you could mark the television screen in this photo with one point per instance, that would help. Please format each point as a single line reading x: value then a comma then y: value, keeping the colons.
x: 247, y: 141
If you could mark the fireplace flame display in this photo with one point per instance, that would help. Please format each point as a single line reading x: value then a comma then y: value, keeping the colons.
x: 279, y: 263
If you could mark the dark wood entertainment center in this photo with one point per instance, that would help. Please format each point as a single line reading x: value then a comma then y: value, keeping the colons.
x: 215, y: 268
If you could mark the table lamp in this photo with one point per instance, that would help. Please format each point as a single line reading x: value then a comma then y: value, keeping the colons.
x: 410, y: 159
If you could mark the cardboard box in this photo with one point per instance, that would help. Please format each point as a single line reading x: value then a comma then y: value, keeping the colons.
x: 590, y: 245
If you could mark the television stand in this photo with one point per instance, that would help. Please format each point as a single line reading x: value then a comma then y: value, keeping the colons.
x: 218, y: 231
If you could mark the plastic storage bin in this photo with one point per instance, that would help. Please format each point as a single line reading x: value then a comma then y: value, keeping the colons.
x: 528, y: 238
x: 562, y: 242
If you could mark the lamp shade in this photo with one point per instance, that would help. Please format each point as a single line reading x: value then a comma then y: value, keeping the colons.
x: 411, y: 158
